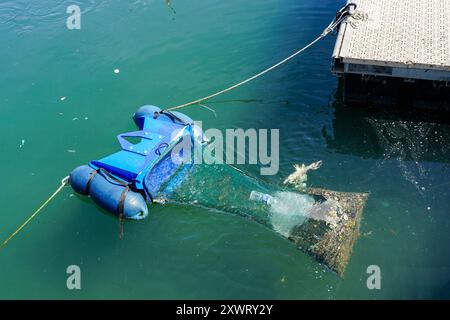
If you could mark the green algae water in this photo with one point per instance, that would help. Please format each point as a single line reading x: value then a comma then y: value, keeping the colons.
x: 62, y: 104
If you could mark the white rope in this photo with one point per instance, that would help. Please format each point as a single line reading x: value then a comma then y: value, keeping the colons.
x: 327, y: 31
x: 64, y: 182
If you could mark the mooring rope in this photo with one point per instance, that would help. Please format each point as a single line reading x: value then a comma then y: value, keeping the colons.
x: 340, y: 17
x: 64, y: 182
x: 344, y: 14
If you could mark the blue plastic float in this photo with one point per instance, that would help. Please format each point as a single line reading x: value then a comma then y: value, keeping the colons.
x: 124, y: 182
x: 324, y: 223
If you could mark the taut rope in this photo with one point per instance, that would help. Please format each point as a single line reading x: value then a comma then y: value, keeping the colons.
x: 64, y: 182
x: 342, y: 15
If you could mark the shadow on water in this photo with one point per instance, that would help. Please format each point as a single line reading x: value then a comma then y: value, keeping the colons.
x: 444, y: 292
x: 401, y: 132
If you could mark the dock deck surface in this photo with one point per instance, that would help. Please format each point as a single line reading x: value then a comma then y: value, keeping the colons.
x: 396, y: 38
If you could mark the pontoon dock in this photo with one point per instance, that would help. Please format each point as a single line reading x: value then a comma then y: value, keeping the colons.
x: 389, y: 43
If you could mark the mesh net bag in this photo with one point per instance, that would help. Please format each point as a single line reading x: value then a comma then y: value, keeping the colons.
x: 323, y: 223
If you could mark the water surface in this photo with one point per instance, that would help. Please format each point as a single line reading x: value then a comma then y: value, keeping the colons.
x: 167, y: 57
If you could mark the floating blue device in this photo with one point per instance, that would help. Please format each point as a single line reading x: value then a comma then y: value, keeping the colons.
x: 124, y: 182
x: 324, y: 223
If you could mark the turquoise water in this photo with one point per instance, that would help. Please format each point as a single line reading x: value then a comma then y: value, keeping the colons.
x: 166, y: 58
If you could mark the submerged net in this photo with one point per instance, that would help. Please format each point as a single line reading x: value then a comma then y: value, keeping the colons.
x: 332, y: 242
x: 323, y: 223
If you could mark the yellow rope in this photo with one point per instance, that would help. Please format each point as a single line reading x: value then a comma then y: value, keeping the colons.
x: 63, y: 184
x: 64, y: 181
x: 327, y: 31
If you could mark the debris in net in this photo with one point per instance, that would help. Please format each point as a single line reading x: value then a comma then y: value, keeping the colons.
x: 326, y: 211
x: 299, y: 177
x: 332, y: 245
x: 332, y: 227
x: 323, y: 223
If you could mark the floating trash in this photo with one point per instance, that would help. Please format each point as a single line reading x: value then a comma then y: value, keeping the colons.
x: 116, y: 71
x: 22, y: 143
